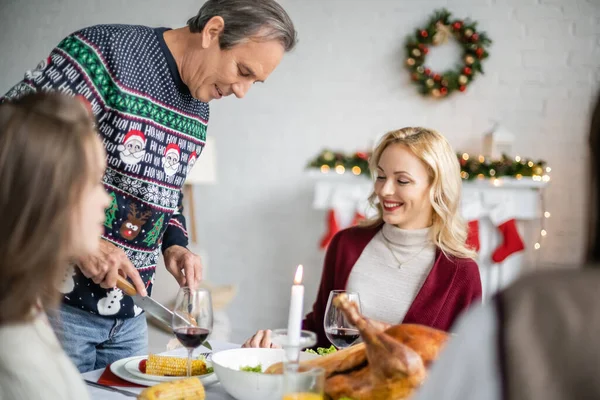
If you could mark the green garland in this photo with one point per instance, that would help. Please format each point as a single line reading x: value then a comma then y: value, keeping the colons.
x: 482, y: 168
x: 471, y: 167
x: 439, y: 27
x: 332, y: 161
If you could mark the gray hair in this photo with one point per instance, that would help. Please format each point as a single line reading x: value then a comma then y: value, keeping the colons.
x: 246, y: 20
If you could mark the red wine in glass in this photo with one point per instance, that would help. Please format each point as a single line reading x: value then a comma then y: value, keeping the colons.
x: 342, y: 337
x: 339, y: 331
x: 192, y: 319
x: 191, y: 337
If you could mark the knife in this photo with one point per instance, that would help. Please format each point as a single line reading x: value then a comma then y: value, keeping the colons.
x: 112, y: 389
x: 148, y: 304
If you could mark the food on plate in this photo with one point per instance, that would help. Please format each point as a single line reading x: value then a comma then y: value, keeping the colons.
x: 249, y: 368
x: 390, y: 364
x: 182, y: 389
x: 172, y: 366
x: 322, y: 351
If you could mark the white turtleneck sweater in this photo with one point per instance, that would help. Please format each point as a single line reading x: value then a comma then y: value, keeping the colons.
x: 386, y: 290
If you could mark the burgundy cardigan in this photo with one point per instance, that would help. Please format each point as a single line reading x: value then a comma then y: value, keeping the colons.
x: 451, y: 286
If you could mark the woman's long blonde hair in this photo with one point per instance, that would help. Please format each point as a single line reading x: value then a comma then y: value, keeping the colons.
x: 448, y: 231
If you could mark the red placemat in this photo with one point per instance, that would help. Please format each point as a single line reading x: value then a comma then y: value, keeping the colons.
x: 110, y: 379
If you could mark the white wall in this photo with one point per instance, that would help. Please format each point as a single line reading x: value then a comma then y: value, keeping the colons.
x: 344, y: 85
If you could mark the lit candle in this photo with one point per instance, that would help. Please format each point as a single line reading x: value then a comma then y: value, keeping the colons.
x: 296, y: 305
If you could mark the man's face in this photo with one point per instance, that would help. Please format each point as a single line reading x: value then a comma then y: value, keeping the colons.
x: 211, y: 73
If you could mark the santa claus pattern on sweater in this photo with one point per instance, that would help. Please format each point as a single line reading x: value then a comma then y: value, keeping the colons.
x: 153, y: 130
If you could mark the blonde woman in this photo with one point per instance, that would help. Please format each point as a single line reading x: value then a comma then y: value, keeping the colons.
x: 410, y: 264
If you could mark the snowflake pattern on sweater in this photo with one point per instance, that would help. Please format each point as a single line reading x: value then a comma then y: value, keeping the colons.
x: 152, y: 129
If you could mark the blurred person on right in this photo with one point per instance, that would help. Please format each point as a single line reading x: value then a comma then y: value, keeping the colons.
x: 538, y: 338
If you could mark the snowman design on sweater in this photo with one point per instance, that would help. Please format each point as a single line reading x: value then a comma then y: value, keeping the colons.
x: 137, y: 310
x: 68, y: 282
x: 111, y: 304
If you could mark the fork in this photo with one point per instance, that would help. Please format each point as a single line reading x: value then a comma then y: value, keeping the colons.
x: 206, y: 355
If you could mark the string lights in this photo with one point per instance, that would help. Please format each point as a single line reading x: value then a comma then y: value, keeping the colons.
x: 471, y: 168
x: 518, y: 168
x: 545, y: 215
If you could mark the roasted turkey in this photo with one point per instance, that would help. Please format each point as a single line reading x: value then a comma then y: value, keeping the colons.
x: 388, y: 365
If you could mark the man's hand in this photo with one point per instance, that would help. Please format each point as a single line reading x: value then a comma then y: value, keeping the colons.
x: 184, y: 265
x: 104, y: 267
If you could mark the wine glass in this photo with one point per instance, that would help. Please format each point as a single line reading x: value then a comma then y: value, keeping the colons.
x: 338, y: 330
x: 192, y: 319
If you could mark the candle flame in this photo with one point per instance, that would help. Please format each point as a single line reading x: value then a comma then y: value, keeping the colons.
x: 298, y: 276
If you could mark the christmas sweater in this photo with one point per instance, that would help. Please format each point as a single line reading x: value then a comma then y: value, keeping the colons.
x: 152, y: 129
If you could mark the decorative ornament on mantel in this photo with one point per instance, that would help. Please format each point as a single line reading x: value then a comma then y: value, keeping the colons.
x: 439, y: 30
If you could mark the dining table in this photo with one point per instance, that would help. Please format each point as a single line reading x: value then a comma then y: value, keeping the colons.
x: 213, y: 392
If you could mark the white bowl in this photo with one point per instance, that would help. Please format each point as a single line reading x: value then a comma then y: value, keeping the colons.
x: 244, y: 385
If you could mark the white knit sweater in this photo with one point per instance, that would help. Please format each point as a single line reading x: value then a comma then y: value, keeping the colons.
x: 387, y: 290
x: 33, y: 366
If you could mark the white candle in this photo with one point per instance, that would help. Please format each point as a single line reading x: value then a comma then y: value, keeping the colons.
x: 296, y: 306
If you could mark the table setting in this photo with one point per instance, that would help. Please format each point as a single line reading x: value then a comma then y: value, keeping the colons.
x: 352, y: 368
x: 230, y: 372
x: 127, y: 382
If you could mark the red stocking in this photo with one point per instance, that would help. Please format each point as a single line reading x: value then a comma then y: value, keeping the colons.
x: 332, y: 229
x: 473, y: 235
x: 512, y: 241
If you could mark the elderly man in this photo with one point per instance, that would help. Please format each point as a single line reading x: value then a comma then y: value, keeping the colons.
x: 149, y: 90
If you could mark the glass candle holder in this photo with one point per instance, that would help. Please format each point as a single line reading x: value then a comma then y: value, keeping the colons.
x: 292, y: 350
x: 304, y: 385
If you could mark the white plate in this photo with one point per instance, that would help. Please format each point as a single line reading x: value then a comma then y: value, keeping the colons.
x: 124, y: 369
x: 133, y: 367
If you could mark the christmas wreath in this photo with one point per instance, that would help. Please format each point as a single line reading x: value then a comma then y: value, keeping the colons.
x: 439, y: 29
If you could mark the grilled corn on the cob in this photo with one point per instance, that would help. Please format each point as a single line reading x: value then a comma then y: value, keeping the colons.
x: 183, y: 389
x: 173, y: 366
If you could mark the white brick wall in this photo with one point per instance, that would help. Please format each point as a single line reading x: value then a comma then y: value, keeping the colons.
x: 343, y: 86
x: 548, y: 14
